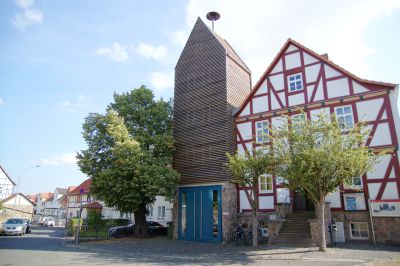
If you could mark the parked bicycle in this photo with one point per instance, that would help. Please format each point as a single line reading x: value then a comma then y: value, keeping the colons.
x: 240, y: 236
x: 262, y: 235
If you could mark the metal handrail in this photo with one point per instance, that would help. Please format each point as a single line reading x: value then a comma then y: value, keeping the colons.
x: 283, y: 205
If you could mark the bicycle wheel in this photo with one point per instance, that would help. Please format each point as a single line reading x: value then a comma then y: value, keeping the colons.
x: 237, y: 240
x: 250, y: 239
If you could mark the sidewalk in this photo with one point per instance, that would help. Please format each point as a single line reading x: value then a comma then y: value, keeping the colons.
x: 194, y: 252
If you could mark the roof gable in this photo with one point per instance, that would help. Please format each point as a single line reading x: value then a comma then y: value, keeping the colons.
x: 7, y: 175
x: 85, y: 185
x: 292, y: 59
x: 12, y: 196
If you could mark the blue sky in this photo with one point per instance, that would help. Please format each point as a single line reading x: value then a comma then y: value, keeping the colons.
x: 60, y: 60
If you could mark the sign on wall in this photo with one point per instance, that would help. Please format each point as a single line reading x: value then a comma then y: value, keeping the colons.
x: 385, y: 208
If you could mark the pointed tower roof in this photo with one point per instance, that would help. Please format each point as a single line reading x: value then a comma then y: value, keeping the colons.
x: 230, y: 52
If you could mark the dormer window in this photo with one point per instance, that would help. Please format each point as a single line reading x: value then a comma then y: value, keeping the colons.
x: 295, y: 82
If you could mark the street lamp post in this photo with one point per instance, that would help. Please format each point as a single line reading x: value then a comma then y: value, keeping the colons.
x: 19, y: 178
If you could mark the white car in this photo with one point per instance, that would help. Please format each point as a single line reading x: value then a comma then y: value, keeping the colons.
x: 46, y: 221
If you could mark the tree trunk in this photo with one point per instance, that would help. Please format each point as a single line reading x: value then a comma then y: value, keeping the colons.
x: 140, y: 221
x: 254, y: 229
x: 321, y: 219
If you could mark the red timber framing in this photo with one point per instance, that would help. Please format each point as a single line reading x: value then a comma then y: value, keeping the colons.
x: 371, y: 90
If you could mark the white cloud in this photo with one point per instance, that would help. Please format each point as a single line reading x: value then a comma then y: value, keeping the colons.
x: 63, y: 159
x: 115, y: 52
x: 180, y: 37
x: 25, y: 3
x: 162, y: 81
x: 1, y: 102
x: 258, y: 30
x: 27, y: 18
x: 81, y: 102
x: 157, y: 53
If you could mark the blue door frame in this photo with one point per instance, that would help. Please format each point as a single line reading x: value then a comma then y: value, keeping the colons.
x: 196, y: 215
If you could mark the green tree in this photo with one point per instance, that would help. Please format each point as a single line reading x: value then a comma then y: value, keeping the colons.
x: 319, y: 156
x: 246, y: 171
x: 129, y: 153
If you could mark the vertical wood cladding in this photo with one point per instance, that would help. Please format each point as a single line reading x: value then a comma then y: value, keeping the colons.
x: 207, y: 88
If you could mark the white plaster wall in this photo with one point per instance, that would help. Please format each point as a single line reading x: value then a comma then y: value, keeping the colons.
x: 161, y: 202
x: 282, y: 97
x: 292, y: 60
x: 334, y: 199
x: 309, y: 59
x: 282, y: 195
x: 310, y: 89
x: 19, y: 200
x: 291, y: 48
x: 373, y: 189
x: 381, y: 136
x: 278, y: 67
x: 246, y: 110
x: 245, y: 130
x: 390, y: 191
x: 277, y: 81
x: 312, y: 72
x: 330, y: 72
x: 395, y: 111
x: 380, y: 168
x: 244, y: 202
x: 6, y: 186
x: 274, y: 102
x: 266, y: 202
x: 319, y: 95
x: 296, y: 99
x: 262, y: 89
x: 368, y: 110
x: 260, y: 104
x: 357, y: 88
x: 337, y: 88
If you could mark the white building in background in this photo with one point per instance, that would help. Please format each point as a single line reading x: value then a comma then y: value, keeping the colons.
x: 81, y: 197
x: 53, y: 206
x: 160, y: 211
x: 41, y: 199
x: 6, y: 184
x: 17, y: 205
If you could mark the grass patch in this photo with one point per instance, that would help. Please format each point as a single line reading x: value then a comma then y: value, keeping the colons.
x: 103, y: 232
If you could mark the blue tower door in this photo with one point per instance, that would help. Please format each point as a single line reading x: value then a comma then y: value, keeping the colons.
x: 200, y: 214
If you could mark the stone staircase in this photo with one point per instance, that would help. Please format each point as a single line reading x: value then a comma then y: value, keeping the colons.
x: 295, y: 230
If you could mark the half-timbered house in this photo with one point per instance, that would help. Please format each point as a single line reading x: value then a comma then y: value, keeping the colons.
x: 300, y: 80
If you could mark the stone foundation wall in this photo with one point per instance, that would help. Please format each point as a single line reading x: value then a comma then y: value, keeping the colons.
x: 229, y: 210
x: 387, y: 230
x: 352, y: 216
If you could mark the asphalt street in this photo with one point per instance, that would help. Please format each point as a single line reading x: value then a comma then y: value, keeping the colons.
x: 46, y: 246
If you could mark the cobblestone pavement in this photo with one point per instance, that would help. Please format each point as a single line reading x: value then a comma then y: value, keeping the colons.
x: 207, y: 253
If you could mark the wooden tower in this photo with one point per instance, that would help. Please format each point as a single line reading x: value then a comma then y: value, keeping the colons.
x: 211, y: 81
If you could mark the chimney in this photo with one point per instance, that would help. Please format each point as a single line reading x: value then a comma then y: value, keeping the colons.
x: 325, y: 56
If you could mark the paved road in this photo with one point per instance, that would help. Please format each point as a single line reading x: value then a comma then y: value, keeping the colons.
x: 46, y: 246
